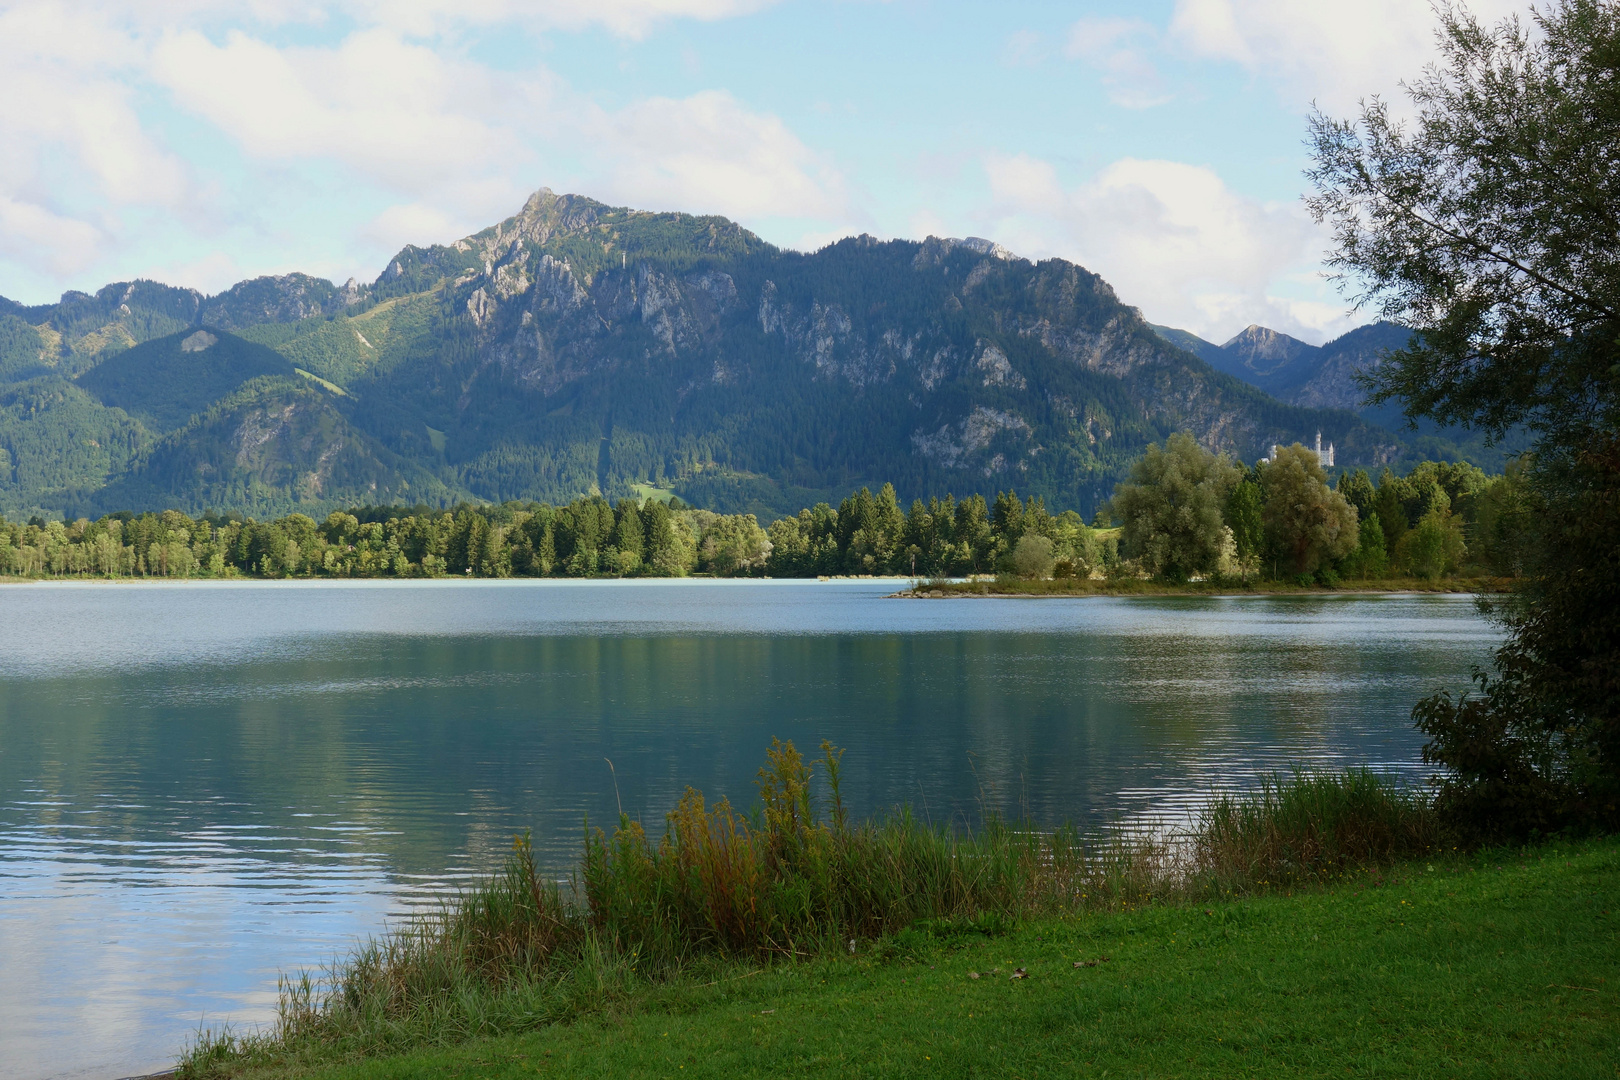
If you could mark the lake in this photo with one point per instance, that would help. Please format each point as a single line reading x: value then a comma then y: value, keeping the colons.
x: 203, y: 784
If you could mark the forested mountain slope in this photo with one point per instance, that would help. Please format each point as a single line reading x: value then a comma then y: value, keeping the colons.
x: 578, y: 348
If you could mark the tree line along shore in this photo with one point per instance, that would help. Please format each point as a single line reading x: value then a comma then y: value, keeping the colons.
x: 1184, y: 514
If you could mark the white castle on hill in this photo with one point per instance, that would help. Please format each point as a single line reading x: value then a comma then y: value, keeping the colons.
x: 1326, y: 458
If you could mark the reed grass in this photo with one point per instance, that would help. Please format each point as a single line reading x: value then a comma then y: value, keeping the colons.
x: 720, y: 894
x: 1312, y: 828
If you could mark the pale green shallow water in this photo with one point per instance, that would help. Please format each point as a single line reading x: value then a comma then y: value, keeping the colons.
x: 202, y: 784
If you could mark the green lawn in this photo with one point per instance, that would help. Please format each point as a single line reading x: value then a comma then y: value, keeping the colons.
x: 1495, y: 966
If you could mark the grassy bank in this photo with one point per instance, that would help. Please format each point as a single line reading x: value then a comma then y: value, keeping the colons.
x: 1008, y: 586
x: 1504, y: 964
x: 792, y: 940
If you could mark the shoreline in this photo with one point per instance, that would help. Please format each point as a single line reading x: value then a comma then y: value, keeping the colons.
x: 439, y: 582
x: 987, y: 590
x: 914, y: 590
x: 1420, y: 966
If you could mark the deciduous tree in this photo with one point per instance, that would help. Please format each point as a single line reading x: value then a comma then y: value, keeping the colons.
x: 1307, y: 522
x: 1171, y: 508
x: 1244, y: 518
x: 1490, y: 224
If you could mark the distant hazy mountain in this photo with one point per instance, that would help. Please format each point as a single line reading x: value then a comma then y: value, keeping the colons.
x: 1324, y: 377
x: 1320, y: 377
x: 578, y: 348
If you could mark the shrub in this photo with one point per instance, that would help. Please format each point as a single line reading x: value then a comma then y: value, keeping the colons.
x: 1032, y: 557
x: 1508, y: 772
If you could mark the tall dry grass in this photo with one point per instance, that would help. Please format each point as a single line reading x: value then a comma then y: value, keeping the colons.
x: 798, y: 881
x: 804, y: 880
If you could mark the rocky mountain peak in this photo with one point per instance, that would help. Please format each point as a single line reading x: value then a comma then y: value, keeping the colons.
x: 277, y: 298
x: 1262, y: 341
x: 981, y: 246
x: 544, y: 215
x: 935, y: 249
x: 1265, y: 351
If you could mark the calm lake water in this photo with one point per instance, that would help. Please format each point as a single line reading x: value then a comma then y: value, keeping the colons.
x: 204, y: 784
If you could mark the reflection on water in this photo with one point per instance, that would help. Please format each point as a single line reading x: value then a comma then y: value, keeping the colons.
x: 203, y: 784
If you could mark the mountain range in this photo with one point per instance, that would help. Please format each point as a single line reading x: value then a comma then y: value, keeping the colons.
x: 577, y: 348
x: 1324, y: 377
x: 1318, y: 377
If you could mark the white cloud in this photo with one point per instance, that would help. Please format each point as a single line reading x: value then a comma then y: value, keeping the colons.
x: 1171, y: 238
x: 711, y: 154
x: 421, y: 224
x: 34, y: 236
x: 377, y: 99
x: 1325, y: 52
x: 420, y: 18
x: 630, y: 18
x: 71, y: 134
x: 1119, y: 49
x: 212, y: 272
x: 1210, y: 28
x: 453, y: 136
x: 398, y: 112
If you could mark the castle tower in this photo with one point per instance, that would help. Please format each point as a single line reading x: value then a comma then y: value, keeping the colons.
x: 1330, y: 456
x: 1319, y: 446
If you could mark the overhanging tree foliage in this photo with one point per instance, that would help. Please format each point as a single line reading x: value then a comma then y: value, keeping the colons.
x: 1490, y: 224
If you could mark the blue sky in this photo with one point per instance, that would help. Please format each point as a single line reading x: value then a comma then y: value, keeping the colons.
x: 1159, y: 144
